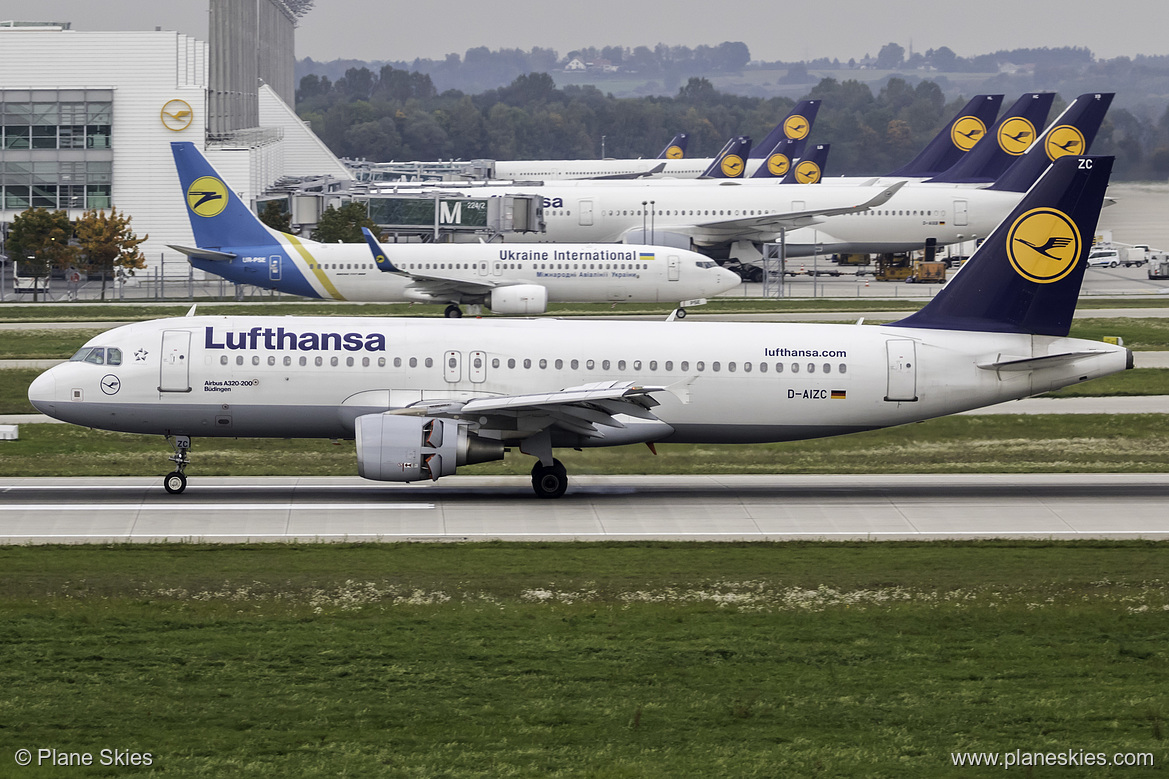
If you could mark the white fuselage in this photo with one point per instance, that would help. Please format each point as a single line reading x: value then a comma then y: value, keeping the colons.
x: 728, y: 382
x: 572, y: 273
x: 605, y: 211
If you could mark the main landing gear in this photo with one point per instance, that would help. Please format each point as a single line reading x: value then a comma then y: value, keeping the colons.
x: 452, y: 312
x: 549, y: 481
x: 176, y: 481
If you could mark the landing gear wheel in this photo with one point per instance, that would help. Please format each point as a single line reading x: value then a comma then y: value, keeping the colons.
x: 452, y: 312
x: 549, y: 481
x: 175, y: 482
x: 681, y: 313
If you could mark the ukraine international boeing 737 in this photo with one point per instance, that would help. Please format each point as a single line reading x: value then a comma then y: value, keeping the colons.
x: 422, y: 397
x: 233, y: 243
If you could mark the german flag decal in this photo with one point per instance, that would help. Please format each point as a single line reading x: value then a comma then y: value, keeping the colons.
x: 838, y: 394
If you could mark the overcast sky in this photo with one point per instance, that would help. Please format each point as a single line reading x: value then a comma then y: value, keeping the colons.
x: 384, y: 30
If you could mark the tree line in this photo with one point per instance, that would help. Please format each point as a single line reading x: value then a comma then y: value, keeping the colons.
x: 40, y: 240
x: 400, y: 115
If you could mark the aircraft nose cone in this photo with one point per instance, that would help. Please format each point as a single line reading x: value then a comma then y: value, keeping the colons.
x: 42, y: 392
x: 728, y: 279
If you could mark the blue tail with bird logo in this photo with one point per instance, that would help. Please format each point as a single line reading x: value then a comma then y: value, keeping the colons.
x: 958, y: 137
x: 1025, y: 278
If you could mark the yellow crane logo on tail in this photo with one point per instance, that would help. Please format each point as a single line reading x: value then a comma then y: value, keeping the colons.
x: 967, y: 131
x: 1064, y: 140
x: 778, y: 164
x: 796, y: 127
x: 1015, y: 135
x: 1043, y: 245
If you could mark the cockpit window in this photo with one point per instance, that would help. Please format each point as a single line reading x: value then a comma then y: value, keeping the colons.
x: 98, y: 355
x: 95, y: 355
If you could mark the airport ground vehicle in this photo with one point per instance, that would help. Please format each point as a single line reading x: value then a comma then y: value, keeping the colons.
x: 1104, y: 258
x: 1159, y: 265
x: 927, y: 273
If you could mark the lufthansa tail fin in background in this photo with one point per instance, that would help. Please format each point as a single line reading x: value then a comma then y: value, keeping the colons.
x: 731, y: 162
x: 810, y: 168
x: 795, y: 127
x: 786, y: 170
x: 218, y: 217
x: 676, y: 148
x: 1011, y: 135
x: 1071, y: 133
x: 1025, y: 278
x: 957, y: 138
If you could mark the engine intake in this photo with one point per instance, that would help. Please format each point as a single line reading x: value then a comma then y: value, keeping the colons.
x: 519, y: 299
x: 391, y: 447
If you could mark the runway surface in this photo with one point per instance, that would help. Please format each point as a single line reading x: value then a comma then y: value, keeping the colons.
x: 596, y: 508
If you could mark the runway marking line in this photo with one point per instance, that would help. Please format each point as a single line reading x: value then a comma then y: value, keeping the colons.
x: 189, y: 507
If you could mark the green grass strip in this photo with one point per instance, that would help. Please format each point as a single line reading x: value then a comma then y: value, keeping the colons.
x: 600, y: 660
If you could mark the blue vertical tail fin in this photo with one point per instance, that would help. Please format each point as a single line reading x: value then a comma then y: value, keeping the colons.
x: 957, y: 138
x: 1025, y: 278
x: 779, y: 163
x: 810, y: 168
x: 1071, y: 133
x: 1011, y: 135
x: 218, y: 217
x: 731, y: 162
x: 676, y: 148
x: 795, y: 127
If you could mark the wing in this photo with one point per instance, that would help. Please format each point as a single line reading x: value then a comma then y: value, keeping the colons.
x: 583, y: 410
x: 433, y: 284
x: 764, y: 228
x: 656, y: 169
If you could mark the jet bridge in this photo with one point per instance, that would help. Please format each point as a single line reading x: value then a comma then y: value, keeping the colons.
x: 434, y: 216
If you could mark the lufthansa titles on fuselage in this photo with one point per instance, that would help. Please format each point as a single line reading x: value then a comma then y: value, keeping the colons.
x: 280, y: 340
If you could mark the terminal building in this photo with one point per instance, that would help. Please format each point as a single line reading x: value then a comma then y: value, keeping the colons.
x: 87, y: 117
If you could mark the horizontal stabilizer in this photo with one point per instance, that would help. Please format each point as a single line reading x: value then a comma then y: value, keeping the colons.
x: 1034, y: 363
x: 204, y: 254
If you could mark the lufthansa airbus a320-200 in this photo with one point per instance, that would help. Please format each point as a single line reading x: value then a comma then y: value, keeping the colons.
x: 423, y: 397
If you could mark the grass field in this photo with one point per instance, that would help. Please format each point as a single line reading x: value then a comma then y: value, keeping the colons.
x: 599, y: 660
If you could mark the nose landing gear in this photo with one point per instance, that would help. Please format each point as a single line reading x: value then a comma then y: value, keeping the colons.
x: 176, y: 481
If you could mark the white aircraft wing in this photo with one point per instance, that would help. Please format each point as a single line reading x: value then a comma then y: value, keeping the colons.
x: 577, y: 409
x: 434, y: 284
x: 766, y: 226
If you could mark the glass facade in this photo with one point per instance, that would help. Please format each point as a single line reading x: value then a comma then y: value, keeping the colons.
x: 55, y: 148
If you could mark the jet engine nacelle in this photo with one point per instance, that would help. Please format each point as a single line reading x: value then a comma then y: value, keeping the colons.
x: 519, y: 299
x: 391, y: 447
